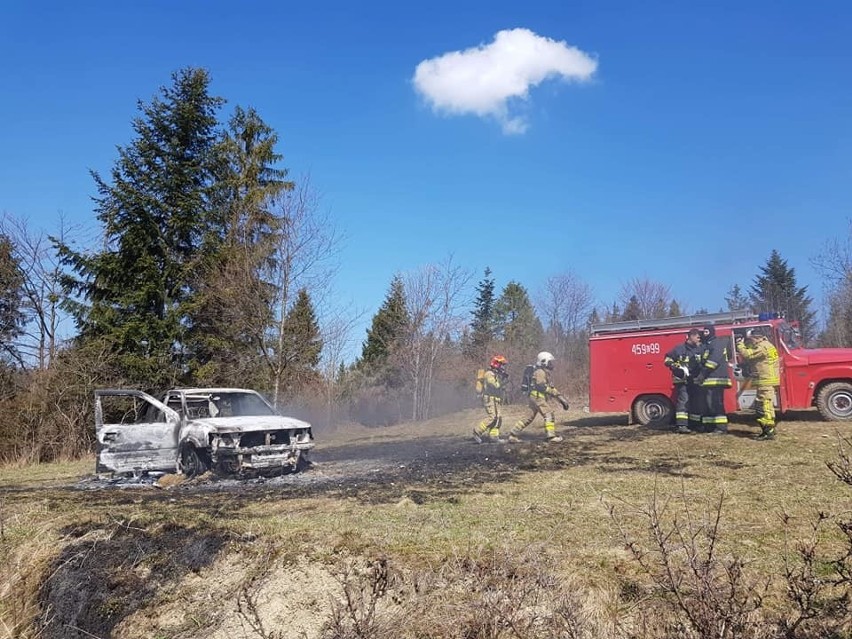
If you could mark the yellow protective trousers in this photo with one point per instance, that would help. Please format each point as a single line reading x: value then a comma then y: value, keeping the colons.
x: 491, y: 424
x: 537, y: 405
x: 765, y: 407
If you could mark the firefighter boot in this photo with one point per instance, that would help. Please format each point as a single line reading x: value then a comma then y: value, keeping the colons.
x: 494, y: 433
x: 550, y: 431
x: 767, y: 434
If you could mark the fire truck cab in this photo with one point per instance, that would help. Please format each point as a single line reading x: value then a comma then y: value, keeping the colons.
x: 626, y: 371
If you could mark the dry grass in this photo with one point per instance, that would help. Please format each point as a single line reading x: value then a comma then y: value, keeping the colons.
x: 556, y: 500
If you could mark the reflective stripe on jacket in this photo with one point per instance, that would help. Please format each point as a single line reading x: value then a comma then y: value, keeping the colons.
x: 684, y: 354
x: 715, y: 364
x: 764, y: 357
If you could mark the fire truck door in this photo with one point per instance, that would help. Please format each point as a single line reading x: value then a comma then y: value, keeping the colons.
x: 743, y: 377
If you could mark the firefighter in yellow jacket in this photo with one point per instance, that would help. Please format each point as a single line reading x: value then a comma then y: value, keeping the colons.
x: 759, y: 352
x: 541, y: 391
x: 492, y: 397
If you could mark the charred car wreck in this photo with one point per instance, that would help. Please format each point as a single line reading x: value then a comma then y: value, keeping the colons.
x: 232, y: 431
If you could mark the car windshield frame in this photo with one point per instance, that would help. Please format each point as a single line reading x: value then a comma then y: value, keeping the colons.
x: 221, y: 404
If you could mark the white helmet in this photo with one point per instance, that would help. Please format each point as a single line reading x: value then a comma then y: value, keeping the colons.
x: 545, y: 359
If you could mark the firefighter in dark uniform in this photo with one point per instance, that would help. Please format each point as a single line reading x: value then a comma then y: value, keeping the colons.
x: 685, y: 362
x: 714, y: 379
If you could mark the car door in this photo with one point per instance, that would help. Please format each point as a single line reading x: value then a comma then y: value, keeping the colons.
x: 135, y: 432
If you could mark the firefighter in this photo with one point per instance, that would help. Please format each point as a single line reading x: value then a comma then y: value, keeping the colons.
x: 492, y: 397
x: 541, y: 391
x: 714, y: 379
x: 684, y: 361
x: 762, y: 356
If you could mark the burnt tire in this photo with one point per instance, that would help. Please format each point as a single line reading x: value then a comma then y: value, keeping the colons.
x: 193, y: 462
x: 834, y: 402
x: 652, y: 410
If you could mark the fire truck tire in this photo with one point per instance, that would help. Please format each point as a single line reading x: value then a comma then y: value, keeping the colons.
x: 834, y: 402
x: 653, y: 409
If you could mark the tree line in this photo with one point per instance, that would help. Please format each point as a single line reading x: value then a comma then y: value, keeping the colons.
x: 213, y: 266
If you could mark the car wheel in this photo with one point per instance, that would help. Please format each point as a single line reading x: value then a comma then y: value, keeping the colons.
x: 653, y: 409
x: 834, y: 402
x: 192, y: 462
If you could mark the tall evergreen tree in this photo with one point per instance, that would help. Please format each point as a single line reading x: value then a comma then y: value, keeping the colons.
x: 674, y: 309
x: 11, y: 302
x: 516, y: 321
x: 235, y: 305
x: 482, y: 326
x: 776, y: 289
x: 302, y: 342
x: 736, y: 299
x: 632, y: 311
x: 156, y: 213
x: 388, y: 329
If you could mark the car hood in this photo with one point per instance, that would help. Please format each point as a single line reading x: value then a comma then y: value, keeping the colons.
x: 249, y: 424
x: 825, y: 355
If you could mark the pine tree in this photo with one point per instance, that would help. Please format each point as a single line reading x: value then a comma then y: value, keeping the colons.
x: 776, y: 289
x: 632, y: 311
x: 156, y: 214
x: 674, y: 309
x: 11, y: 302
x: 482, y: 326
x: 594, y: 317
x: 302, y: 342
x: 388, y: 328
x: 516, y: 322
x: 736, y: 299
x: 236, y: 300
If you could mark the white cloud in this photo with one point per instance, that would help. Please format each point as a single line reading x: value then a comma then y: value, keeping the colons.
x: 482, y: 80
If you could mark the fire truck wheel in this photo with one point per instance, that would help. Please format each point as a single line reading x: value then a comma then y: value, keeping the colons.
x: 834, y: 402
x: 653, y: 409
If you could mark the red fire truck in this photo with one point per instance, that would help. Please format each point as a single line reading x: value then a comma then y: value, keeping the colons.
x: 626, y: 371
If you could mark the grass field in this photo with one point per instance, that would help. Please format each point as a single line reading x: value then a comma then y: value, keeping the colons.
x: 414, y: 530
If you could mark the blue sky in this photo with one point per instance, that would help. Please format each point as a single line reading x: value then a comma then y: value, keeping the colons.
x: 708, y: 133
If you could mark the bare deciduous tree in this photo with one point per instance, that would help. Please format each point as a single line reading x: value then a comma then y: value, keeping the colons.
x: 654, y: 298
x: 304, y: 258
x: 434, y: 294
x: 42, y: 292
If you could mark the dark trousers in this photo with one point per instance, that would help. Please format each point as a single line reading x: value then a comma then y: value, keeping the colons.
x: 715, y: 416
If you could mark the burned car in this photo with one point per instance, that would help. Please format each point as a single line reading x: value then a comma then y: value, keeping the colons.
x: 232, y: 431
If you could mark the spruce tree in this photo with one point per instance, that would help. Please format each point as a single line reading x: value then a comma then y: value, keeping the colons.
x: 632, y: 311
x: 302, y: 342
x: 482, y: 326
x: 776, y: 289
x: 736, y: 300
x: 516, y: 321
x: 156, y: 212
x: 388, y: 329
x: 235, y: 304
x: 11, y: 302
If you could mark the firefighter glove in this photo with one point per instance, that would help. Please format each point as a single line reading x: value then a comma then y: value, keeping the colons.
x: 699, y: 379
x: 564, y: 401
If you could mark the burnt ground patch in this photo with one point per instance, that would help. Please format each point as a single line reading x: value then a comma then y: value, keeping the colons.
x: 107, y: 574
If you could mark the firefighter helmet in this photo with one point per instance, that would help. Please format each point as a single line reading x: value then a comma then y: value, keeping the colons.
x: 498, y: 361
x: 544, y: 359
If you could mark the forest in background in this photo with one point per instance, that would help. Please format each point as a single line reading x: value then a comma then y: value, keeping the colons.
x: 214, y: 267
